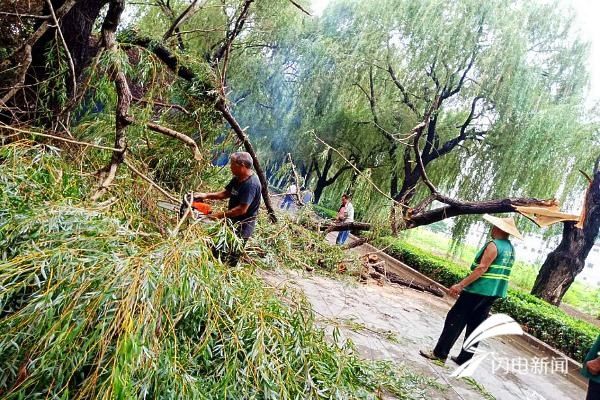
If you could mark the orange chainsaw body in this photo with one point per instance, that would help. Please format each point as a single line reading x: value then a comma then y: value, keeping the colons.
x: 202, y: 207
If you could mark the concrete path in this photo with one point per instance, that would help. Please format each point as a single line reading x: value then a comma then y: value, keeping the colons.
x: 393, y: 323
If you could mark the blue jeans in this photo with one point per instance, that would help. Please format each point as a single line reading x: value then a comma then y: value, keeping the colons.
x: 287, y: 202
x: 342, y: 237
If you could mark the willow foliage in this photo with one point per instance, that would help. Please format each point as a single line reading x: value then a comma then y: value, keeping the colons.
x: 92, y: 308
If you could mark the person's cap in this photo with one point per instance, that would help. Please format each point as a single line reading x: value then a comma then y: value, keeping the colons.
x: 504, y: 224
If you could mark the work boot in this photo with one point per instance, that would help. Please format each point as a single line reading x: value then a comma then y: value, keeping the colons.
x: 429, y: 354
x: 457, y: 360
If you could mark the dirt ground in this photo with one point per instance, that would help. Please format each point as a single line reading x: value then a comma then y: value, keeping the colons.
x: 392, y: 323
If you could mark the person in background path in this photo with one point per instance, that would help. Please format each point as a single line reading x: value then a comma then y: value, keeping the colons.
x: 244, y: 193
x: 487, y: 282
x: 307, y: 196
x: 345, y: 214
x: 289, y: 197
x: 591, y: 370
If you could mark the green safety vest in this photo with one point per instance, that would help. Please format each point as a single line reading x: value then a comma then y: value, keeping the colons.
x: 593, y: 353
x: 495, y: 280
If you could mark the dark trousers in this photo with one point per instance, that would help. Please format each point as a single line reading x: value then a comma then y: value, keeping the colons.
x: 230, y: 257
x: 593, y: 392
x: 469, y: 311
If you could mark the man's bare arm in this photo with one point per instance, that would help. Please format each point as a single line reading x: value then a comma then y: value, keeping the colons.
x: 223, y: 194
x: 489, y: 255
x: 236, y: 211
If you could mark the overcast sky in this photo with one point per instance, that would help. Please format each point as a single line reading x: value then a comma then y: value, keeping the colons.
x: 588, y: 14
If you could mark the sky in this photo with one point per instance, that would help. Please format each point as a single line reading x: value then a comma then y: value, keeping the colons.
x: 587, y: 14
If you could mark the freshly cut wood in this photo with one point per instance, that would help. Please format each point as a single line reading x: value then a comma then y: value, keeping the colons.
x: 356, y: 243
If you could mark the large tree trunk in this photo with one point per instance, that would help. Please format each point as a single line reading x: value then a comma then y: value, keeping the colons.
x: 319, y: 187
x: 322, y: 176
x: 564, y: 263
x: 76, y: 26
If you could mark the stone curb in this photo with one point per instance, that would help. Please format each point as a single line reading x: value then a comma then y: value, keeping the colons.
x: 524, y: 341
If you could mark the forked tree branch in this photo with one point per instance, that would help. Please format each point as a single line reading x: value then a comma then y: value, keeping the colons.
x: 122, y: 118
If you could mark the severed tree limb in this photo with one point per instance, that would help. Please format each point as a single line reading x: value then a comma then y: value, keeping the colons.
x: 356, y: 243
x: 469, y: 208
x: 455, y: 207
x: 395, y: 278
x: 122, y: 118
x: 188, y: 141
x: 296, y: 179
x: 345, y: 226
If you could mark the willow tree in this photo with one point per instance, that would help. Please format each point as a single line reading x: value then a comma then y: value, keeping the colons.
x: 562, y: 265
x: 292, y: 90
x: 59, y: 62
x: 473, y: 77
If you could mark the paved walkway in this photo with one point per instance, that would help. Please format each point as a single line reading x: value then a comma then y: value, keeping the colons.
x: 393, y: 323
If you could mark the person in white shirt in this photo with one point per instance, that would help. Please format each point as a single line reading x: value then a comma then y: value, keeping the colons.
x: 288, y: 199
x: 345, y: 214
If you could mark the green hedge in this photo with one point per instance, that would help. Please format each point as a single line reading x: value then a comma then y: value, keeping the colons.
x: 540, y: 319
x: 324, y: 211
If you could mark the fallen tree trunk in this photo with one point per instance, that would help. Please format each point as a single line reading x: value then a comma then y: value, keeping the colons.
x: 457, y: 208
x: 395, y: 278
x: 345, y: 226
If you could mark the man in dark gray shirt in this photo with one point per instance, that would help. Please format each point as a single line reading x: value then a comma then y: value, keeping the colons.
x: 243, y: 192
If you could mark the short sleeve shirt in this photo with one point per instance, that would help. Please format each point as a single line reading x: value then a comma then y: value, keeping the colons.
x: 245, y: 192
x: 350, y: 212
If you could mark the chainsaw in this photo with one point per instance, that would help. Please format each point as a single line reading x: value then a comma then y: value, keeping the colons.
x: 199, y: 210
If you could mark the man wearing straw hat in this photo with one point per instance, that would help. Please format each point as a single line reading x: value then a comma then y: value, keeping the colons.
x: 477, y: 292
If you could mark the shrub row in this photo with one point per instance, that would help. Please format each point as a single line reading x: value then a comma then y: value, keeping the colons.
x: 540, y: 319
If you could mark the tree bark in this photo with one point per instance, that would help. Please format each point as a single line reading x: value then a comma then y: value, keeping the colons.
x: 469, y: 208
x: 563, y: 264
x: 122, y: 117
x: 344, y: 226
x: 76, y: 22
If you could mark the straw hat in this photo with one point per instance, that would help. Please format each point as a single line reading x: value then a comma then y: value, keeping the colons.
x: 505, y: 224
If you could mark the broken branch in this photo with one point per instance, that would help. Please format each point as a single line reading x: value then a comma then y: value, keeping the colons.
x: 188, y: 141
